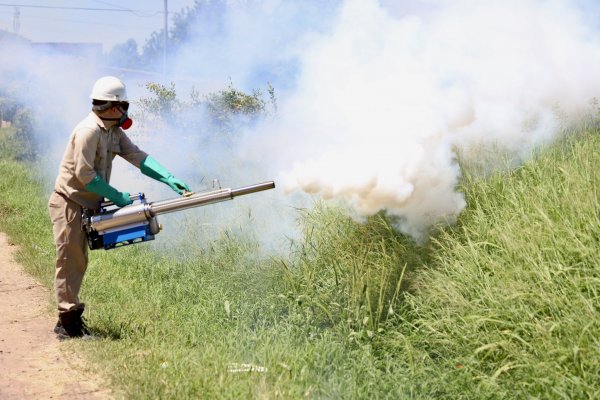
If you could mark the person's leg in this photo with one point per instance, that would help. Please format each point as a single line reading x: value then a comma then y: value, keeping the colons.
x: 71, y: 262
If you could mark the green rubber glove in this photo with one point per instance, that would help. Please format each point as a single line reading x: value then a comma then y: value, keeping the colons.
x: 102, y: 188
x: 150, y: 167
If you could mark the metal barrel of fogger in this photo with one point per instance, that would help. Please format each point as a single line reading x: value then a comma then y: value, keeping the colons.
x: 141, y: 212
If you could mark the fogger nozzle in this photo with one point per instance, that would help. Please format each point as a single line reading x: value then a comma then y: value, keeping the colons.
x: 141, y: 212
x: 201, y: 199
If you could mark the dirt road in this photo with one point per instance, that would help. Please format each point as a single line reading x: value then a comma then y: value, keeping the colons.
x: 33, y: 363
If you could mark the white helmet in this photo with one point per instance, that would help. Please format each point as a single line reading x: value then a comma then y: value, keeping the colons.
x: 109, y: 88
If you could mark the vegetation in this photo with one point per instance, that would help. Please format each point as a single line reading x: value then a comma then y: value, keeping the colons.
x: 152, y: 52
x: 222, y: 106
x: 214, y: 119
x: 125, y: 55
x: 16, y: 138
x: 504, y: 304
x: 206, y: 13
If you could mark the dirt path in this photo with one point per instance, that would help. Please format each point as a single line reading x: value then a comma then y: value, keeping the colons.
x: 33, y: 363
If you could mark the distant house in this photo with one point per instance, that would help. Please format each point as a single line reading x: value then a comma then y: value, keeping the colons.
x: 83, y: 50
x: 12, y: 39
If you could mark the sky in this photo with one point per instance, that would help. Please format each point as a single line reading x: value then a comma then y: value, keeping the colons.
x: 88, y: 23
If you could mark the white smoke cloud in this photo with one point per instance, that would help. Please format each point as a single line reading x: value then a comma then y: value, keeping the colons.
x: 382, y: 99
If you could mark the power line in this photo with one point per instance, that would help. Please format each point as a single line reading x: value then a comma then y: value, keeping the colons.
x: 128, y: 9
x: 112, y: 5
x: 81, y: 22
x: 75, y: 8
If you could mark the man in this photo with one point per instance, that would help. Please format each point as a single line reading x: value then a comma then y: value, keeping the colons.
x: 82, y: 182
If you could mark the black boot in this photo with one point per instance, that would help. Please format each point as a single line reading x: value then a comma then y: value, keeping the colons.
x: 71, y: 325
x: 82, y: 323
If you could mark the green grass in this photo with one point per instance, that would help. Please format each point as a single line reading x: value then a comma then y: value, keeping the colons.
x: 23, y: 214
x: 503, y: 305
x: 513, y: 294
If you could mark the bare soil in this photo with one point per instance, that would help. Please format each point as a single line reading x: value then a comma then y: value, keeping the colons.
x: 34, y: 364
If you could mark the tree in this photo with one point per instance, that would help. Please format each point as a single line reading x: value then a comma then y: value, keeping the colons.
x: 208, y: 13
x: 125, y: 55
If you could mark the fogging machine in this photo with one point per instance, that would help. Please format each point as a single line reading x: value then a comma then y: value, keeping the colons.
x: 113, y: 227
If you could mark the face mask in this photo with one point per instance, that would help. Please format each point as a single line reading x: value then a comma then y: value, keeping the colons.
x: 125, y: 122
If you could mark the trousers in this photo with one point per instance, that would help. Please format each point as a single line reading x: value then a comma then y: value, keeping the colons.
x: 71, y: 251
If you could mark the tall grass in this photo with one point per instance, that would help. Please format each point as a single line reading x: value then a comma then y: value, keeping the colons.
x: 505, y: 304
x: 509, y: 306
x: 348, y: 274
x: 23, y: 214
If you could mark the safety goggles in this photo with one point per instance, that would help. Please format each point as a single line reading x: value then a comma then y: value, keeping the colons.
x: 123, y: 106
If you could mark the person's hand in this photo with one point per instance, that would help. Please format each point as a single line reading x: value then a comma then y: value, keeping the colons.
x: 121, y: 199
x: 152, y: 168
x: 102, y: 188
x: 177, y: 185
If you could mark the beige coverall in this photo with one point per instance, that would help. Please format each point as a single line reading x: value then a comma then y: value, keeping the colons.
x: 90, y: 151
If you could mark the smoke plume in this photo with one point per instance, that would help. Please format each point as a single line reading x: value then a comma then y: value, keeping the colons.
x: 384, y: 97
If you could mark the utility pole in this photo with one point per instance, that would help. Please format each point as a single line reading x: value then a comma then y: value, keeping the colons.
x: 166, y: 39
x: 17, y: 21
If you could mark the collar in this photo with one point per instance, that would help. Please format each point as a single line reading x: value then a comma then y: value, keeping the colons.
x: 101, y: 122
